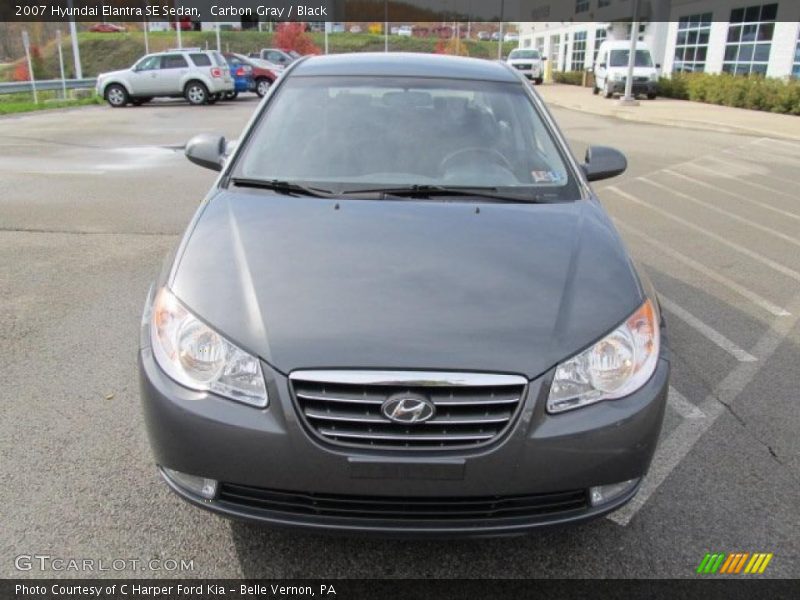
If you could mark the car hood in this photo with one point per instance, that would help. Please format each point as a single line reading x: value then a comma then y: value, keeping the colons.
x: 109, y: 74
x: 312, y: 283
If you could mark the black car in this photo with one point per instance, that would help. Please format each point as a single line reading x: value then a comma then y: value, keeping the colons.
x: 402, y: 309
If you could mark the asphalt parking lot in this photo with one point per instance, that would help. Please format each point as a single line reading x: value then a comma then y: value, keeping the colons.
x: 91, y: 200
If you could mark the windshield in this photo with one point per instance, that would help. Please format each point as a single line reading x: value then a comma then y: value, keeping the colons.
x: 620, y: 58
x: 350, y: 133
x: 532, y: 54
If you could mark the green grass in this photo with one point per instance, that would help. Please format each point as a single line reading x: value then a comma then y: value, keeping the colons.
x: 20, y: 103
x: 102, y: 52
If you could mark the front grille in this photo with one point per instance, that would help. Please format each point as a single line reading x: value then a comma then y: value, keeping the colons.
x: 346, y: 408
x: 523, y: 66
x: 404, y: 508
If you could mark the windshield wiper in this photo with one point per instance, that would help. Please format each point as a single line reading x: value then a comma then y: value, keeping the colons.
x: 283, y: 187
x: 430, y: 191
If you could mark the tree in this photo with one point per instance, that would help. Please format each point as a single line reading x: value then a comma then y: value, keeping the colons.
x: 292, y: 36
x: 452, y: 46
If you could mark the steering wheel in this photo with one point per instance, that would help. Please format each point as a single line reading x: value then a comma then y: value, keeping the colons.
x: 495, y: 154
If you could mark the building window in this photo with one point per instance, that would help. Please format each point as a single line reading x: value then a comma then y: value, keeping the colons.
x: 539, y: 45
x: 691, y: 46
x: 603, y: 3
x: 579, y: 51
x: 600, y: 36
x: 796, y: 67
x: 750, y: 39
x: 581, y: 6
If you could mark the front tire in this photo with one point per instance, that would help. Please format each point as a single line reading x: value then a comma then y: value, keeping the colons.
x: 196, y: 93
x: 262, y: 87
x: 651, y: 96
x: 538, y: 81
x: 116, y: 95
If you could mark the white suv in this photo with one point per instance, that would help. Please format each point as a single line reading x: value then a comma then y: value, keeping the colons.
x: 202, y: 77
x: 529, y: 62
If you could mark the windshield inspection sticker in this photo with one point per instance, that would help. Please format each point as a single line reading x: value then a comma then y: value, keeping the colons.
x: 545, y: 177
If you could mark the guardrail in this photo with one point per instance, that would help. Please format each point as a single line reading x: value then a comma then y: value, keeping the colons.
x: 16, y: 87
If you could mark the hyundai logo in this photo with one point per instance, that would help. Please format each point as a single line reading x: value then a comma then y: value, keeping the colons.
x: 408, y: 408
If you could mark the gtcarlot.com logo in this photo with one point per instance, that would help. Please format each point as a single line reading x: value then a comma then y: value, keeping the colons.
x: 738, y: 563
x: 45, y: 562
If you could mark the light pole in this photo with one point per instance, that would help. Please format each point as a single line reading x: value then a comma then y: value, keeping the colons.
x: 76, y: 53
x: 386, y: 25
x: 500, y: 41
x: 628, y: 99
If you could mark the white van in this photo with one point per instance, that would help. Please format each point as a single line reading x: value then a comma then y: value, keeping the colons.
x: 611, y: 69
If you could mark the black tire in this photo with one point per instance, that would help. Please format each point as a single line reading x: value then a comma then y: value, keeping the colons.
x: 651, y: 96
x: 196, y: 93
x: 262, y: 86
x: 538, y: 81
x: 595, y: 90
x: 116, y: 95
x: 231, y: 95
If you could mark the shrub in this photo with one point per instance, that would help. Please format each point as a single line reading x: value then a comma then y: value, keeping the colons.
x: 569, y: 77
x: 754, y: 92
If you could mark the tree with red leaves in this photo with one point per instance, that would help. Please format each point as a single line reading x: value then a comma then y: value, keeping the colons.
x: 21, y: 72
x: 292, y: 36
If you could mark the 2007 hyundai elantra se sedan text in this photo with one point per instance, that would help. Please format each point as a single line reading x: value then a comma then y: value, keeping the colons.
x: 401, y: 309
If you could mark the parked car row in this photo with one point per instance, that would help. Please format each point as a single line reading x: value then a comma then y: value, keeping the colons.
x: 199, y: 76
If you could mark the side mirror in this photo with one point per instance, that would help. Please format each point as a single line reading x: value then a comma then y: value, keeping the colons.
x: 603, y: 162
x: 658, y: 66
x: 207, y: 150
x: 602, y: 66
x: 544, y: 58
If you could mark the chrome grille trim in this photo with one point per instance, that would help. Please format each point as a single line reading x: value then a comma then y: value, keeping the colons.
x: 344, y: 408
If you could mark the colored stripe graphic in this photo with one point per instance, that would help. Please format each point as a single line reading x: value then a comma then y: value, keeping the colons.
x: 732, y: 564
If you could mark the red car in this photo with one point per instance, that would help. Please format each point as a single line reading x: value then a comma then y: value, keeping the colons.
x: 107, y: 28
x: 262, y: 76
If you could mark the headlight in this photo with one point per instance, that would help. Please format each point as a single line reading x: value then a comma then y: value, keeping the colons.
x: 199, y: 358
x: 614, y: 367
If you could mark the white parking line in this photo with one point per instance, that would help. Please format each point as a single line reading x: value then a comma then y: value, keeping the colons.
x: 672, y: 450
x: 756, y: 299
x: 791, y: 273
x: 753, y: 201
x: 758, y: 186
x: 789, y: 144
x: 706, y: 330
x: 682, y: 406
x: 738, y: 165
x: 733, y: 216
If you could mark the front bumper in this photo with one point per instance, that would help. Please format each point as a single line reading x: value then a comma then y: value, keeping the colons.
x: 640, y: 88
x: 270, y: 451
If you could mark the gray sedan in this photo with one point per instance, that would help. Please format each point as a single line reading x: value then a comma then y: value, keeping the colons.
x: 401, y: 309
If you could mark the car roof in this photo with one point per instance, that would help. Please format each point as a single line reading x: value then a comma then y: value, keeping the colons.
x: 402, y: 64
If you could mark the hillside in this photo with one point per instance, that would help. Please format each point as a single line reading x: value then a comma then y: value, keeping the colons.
x: 109, y: 51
